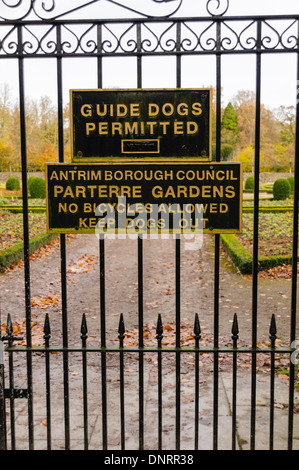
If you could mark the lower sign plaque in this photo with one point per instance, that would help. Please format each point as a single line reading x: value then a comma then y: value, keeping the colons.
x: 126, y: 197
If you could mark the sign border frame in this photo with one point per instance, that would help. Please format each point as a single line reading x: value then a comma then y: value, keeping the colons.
x: 140, y: 162
x: 75, y: 159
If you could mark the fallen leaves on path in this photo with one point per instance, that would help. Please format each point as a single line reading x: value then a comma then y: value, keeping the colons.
x: 279, y: 272
x: 43, y: 301
x: 82, y: 265
x: 244, y: 360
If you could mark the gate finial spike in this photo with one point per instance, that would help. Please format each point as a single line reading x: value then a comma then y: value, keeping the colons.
x: 84, y: 326
x: 121, y: 330
x: 159, y: 328
x: 235, y: 328
x: 197, y: 329
x: 47, y: 329
x: 9, y: 329
x: 121, y: 326
x: 273, y: 329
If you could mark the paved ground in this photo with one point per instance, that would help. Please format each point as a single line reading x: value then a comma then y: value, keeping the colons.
x: 159, y: 297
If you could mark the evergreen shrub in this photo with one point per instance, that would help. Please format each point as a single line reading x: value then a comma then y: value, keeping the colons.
x: 281, y: 189
x: 38, y: 188
x: 249, y: 183
x: 13, y: 184
x: 30, y: 179
x: 291, y: 181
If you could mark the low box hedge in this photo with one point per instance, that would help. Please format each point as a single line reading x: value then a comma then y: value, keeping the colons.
x: 238, y: 254
x: 15, y: 253
x: 242, y: 258
x: 248, y: 209
x: 17, y: 209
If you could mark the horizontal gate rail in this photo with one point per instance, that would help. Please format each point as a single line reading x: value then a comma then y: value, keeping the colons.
x: 98, y: 39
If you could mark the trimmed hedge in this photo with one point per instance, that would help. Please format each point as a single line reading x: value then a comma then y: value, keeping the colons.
x: 30, y: 179
x: 238, y: 254
x: 243, y: 259
x: 281, y: 189
x: 37, y: 188
x: 15, y: 253
x: 291, y: 181
x: 249, y: 183
x: 13, y: 184
x: 248, y: 209
x: 17, y: 209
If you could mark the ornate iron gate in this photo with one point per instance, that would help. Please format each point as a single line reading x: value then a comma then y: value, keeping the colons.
x: 45, y: 30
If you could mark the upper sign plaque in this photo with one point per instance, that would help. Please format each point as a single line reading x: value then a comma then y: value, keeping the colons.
x: 141, y: 123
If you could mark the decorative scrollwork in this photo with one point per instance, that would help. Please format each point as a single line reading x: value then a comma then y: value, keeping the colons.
x: 271, y: 37
x: 138, y: 36
x: 70, y: 41
x: 207, y: 38
x: 110, y: 42
x: 30, y: 41
x: 167, y: 39
x: 48, y: 41
x: 247, y: 37
x: 217, y: 7
x: 9, y: 42
x: 190, y: 38
x: 14, y: 9
x: 126, y: 42
x: 289, y: 39
x: 150, y: 40
x: 51, y: 10
x: 230, y: 40
x: 88, y: 41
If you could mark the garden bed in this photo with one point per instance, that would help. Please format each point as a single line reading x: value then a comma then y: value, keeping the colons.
x: 275, y: 242
x: 11, y: 236
x: 275, y: 233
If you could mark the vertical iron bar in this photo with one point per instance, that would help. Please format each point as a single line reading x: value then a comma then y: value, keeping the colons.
x: 140, y: 280
x: 102, y: 280
x: 235, y: 331
x: 178, y: 56
x: 197, y: 337
x: 3, y: 443
x: 294, y: 268
x: 178, y: 276
x: 47, y: 336
x: 272, y: 378
x: 9, y: 332
x: 255, y: 234
x: 139, y: 57
x: 140, y: 342
x: 84, y: 335
x: 121, y: 336
x: 25, y: 236
x: 217, y: 244
x: 103, y: 341
x: 63, y: 251
x: 159, y: 337
x: 178, y: 337
x: 100, y: 58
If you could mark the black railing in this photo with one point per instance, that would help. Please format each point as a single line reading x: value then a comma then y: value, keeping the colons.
x: 12, y: 392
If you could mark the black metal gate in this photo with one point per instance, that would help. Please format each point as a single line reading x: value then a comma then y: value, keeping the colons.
x: 36, y: 30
